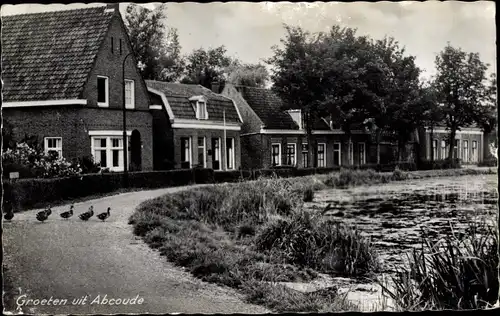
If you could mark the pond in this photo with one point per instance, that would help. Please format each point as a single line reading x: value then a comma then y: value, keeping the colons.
x: 394, y: 215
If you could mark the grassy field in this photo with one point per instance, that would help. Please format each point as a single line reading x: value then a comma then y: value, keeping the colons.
x: 251, y: 235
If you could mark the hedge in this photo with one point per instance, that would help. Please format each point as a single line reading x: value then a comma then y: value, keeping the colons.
x: 27, y: 193
x: 439, y: 164
x: 490, y: 162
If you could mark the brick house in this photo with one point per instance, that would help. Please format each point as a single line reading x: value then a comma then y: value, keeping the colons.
x: 194, y: 127
x: 272, y: 137
x: 62, y: 74
x: 469, y: 144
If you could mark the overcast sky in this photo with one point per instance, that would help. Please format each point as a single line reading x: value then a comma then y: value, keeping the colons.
x: 248, y: 30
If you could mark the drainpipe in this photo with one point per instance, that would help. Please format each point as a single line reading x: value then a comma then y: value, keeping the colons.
x: 125, y: 140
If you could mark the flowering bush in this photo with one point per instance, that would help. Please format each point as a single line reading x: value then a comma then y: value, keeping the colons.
x: 36, y: 163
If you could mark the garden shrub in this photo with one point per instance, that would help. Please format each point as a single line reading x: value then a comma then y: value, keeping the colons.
x: 36, y: 163
x: 306, y: 241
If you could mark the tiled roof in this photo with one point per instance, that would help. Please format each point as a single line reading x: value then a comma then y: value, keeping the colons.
x: 178, y: 95
x: 47, y: 56
x: 267, y: 105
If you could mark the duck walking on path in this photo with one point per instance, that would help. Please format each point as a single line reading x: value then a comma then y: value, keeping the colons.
x: 42, y: 216
x: 85, y: 216
x: 68, y: 214
x: 104, y: 215
x: 9, y: 215
x: 48, y: 211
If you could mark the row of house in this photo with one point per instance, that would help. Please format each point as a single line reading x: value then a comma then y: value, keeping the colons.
x: 67, y: 77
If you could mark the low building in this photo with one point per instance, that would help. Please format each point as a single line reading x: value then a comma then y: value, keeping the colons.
x: 468, y: 145
x: 63, y: 82
x: 272, y: 137
x: 194, y: 127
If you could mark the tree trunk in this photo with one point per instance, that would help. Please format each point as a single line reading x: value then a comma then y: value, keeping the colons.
x: 432, y: 144
x: 453, y: 132
x: 310, y: 145
x: 377, y: 133
x: 400, y: 150
x: 349, y: 157
x: 310, y: 149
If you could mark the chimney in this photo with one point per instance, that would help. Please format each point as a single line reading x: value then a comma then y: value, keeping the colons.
x: 216, y: 87
x: 115, y: 6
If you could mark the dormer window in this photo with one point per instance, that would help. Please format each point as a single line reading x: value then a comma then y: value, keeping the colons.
x: 201, y: 110
x: 297, y: 117
x: 200, y: 107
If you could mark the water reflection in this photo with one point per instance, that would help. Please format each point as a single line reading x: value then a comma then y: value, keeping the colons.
x: 395, y: 215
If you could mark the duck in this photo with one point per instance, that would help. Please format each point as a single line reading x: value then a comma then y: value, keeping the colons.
x: 9, y: 215
x: 42, y: 216
x: 104, y: 215
x: 48, y: 211
x: 85, y: 216
x: 68, y: 214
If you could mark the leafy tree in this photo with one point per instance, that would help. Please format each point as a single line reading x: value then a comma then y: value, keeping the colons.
x: 252, y: 75
x: 486, y: 114
x: 433, y: 114
x: 352, y: 74
x: 404, y: 99
x: 298, y: 75
x: 461, y: 89
x: 174, y: 63
x: 156, y: 47
x: 206, y: 66
x: 395, y: 106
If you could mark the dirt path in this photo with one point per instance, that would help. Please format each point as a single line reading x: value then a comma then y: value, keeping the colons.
x: 71, y: 259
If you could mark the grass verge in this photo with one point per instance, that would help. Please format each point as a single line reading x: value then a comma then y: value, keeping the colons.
x: 254, y: 235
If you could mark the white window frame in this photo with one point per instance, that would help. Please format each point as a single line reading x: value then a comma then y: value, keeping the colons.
x: 46, y: 145
x: 456, y: 144
x: 204, y: 151
x: 109, y: 151
x: 201, y: 110
x: 230, y: 164
x: 120, y: 149
x: 475, y: 156
x: 306, y: 154
x: 279, y: 154
x: 337, y: 152
x: 443, y: 150
x: 190, y: 150
x: 465, y: 149
x: 363, y: 161
x: 106, y: 92
x: 218, y: 153
x: 351, y: 152
x: 132, y: 94
x: 435, y: 148
x: 294, y: 153
x: 324, y: 155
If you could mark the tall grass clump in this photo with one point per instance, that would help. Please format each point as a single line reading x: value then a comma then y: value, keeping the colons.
x: 459, y: 273
x: 352, y: 177
x: 306, y: 240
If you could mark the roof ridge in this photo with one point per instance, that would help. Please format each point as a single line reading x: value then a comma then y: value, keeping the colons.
x: 246, y: 86
x: 53, y: 11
